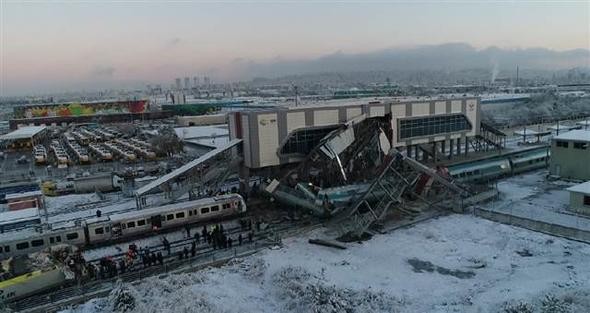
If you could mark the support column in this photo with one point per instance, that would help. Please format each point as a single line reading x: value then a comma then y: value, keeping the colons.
x: 434, y: 148
x: 417, y: 152
x: 443, y: 147
x: 451, y: 148
x: 466, y: 145
x: 458, y: 146
x: 244, y: 178
x: 409, y: 151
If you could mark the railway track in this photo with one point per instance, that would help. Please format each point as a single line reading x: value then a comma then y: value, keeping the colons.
x: 55, y: 300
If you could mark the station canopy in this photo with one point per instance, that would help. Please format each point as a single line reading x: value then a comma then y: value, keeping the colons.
x: 26, y: 132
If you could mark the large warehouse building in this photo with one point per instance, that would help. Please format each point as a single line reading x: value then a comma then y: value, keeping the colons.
x: 283, y: 135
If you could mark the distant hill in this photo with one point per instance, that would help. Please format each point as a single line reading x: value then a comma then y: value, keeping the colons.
x: 448, y: 58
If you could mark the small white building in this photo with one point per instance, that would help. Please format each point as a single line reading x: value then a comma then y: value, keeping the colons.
x: 570, y: 155
x: 580, y: 198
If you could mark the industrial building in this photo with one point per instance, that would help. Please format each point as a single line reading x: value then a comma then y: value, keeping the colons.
x: 570, y: 153
x: 580, y: 198
x: 24, y: 138
x: 104, y: 111
x: 423, y: 127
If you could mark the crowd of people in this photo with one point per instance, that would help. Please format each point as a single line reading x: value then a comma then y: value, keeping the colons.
x: 134, y: 258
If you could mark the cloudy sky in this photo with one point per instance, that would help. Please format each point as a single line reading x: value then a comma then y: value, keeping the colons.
x: 48, y: 46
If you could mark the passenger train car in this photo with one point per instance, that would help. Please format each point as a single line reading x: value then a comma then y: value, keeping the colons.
x: 115, y: 227
x: 505, y: 165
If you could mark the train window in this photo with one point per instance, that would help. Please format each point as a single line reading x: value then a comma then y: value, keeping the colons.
x: 99, y: 231
x: 580, y: 145
x: 51, y: 240
x: 226, y: 206
x: 107, y: 229
x: 204, y: 210
x: 190, y: 213
x: 130, y: 224
x: 22, y: 246
x: 141, y: 223
x: 169, y: 217
x: 0, y: 249
x: 586, y: 201
x: 6, y: 249
x: 37, y: 243
x: 180, y: 215
x: 196, y: 212
x: 58, y: 238
x: 215, y: 208
x: 72, y: 236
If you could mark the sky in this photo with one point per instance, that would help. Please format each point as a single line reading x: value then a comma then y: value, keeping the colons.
x: 61, y: 45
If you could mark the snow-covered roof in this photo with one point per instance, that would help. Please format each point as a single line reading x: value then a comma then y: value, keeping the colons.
x: 584, y: 123
x: 20, y: 195
x: 210, y: 142
x: 18, y: 216
x: 201, y: 131
x: 561, y: 127
x: 23, y: 133
x: 578, y: 134
x: 581, y: 188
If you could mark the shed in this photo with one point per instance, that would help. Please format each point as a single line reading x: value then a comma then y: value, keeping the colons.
x: 25, y: 200
x: 580, y: 198
x: 24, y: 137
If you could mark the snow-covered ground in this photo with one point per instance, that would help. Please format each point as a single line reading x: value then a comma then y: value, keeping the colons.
x: 534, y: 197
x: 457, y: 263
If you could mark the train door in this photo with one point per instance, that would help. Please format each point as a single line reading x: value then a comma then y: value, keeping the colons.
x: 156, y: 221
x: 86, y: 235
x: 116, y: 230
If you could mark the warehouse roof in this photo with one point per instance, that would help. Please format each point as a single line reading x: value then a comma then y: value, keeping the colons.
x: 23, y: 133
x: 579, y: 134
x: 581, y: 188
x: 20, y: 195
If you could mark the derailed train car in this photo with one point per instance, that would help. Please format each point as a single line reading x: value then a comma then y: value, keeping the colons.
x: 116, y: 227
x: 500, y: 166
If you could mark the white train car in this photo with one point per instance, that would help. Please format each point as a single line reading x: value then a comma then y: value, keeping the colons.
x: 40, y: 154
x: 101, y: 152
x: 121, y: 151
x: 137, y: 148
x: 120, y: 226
x: 27, y: 241
x: 80, y: 153
x: 134, y: 223
x: 61, y: 156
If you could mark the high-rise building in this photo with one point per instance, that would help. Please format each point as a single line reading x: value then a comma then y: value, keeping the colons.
x: 195, y: 81
x: 178, y: 84
x: 187, y: 83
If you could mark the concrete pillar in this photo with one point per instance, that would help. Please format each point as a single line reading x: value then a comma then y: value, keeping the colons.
x: 458, y: 146
x: 434, y: 148
x: 244, y: 178
x: 466, y: 145
x: 409, y: 151
x: 417, y: 152
x: 443, y: 147
x: 451, y: 148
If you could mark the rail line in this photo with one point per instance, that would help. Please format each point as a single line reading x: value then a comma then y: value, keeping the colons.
x: 55, y: 300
